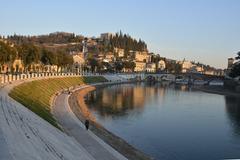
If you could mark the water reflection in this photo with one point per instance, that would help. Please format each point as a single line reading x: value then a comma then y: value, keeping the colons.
x: 170, y: 121
x: 233, y: 111
x: 118, y: 100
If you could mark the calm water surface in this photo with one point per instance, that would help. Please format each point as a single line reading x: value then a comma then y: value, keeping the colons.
x: 170, y: 122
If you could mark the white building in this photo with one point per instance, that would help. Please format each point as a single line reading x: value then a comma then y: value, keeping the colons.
x: 209, y: 72
x: 106, y: 36
x: 78, y: 61
x: 186, y: 66
x: 142, y: 57
x: 140, y: 67
x: 161, y: 65
x: 109, y: 57
x: 119, y: 52
x: 78, y: 58
x: 151, y: 67
x: 199, y: 69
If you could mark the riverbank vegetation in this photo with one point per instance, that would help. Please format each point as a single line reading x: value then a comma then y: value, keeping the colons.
x: 235, y: 71
x: 36, y: 95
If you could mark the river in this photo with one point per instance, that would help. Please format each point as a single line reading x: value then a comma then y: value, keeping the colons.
x: 170, y: 122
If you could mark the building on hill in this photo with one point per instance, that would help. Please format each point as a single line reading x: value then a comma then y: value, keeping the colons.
x: 106, y: 36
x: 186, y: 66
x: 140, y: 66
x: 209, y: 72
x: 161, y: 65
x: 142, y: 56
x: 78, y: 58
x: 109, y: 57
x: 230, y: 63
x: 199, y: 69
x: 100, y: 57
x: 91, y: 42
x: 219, y: 72
x: 3, y: 40
x: 151, y: 67
x: 119, y: 52
x: 78, y: 61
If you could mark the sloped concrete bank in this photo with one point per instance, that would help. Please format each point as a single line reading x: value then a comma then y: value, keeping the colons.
x: 80, y: 109
x: 26, y: 136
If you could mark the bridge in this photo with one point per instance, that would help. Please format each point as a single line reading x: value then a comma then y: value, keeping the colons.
x: 186, y: 76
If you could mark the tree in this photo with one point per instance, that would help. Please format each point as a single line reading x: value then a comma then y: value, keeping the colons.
x: 125, y: 42
x: 93, y: 63
x: 63, y: 59
x: 7, y: 53
x: 170, y: 67
x: 29, y: 53
x: 48, y: 58
x: 178, y: 68
x: 238, y: 56
x: 129, y: 65
x: 118, y: 66
x: 235, y: 71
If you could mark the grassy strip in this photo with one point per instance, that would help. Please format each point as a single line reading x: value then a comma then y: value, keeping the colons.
x: 36, y: 95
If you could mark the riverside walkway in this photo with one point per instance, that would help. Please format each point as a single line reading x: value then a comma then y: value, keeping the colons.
x: 73, y: 127
x: 26, y: 136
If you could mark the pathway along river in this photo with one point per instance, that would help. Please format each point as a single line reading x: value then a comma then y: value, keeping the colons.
x: 170, y: 122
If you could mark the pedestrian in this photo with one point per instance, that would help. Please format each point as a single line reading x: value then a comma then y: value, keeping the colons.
x: 87, y: 124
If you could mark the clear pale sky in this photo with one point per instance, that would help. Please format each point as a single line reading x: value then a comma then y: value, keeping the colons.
x: 205, y: 30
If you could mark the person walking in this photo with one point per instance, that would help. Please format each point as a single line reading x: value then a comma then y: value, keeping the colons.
x: 87, y: 124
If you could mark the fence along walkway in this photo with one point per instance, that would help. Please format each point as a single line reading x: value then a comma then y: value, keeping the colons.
x: 6, y: 78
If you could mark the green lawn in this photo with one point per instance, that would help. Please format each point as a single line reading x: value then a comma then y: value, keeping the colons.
x: 36, y: 95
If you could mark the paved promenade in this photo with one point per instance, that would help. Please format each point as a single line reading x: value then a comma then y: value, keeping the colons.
x: 72, y: 126
x: 25, y: 136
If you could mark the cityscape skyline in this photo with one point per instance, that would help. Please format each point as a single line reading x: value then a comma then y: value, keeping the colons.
x: 199, y: 31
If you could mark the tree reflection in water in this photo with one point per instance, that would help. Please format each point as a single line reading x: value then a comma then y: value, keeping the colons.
x: 187, y: 123
x: 119, y: 100
x: 233, y: 111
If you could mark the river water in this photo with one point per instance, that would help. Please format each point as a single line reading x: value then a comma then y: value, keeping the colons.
x: 170, y: 122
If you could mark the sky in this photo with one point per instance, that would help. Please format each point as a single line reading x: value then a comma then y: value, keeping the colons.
x: 206, y: 31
